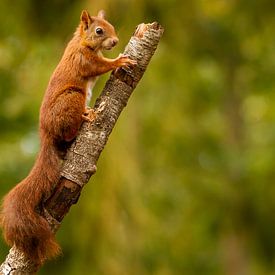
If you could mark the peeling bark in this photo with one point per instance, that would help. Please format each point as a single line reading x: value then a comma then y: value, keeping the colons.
x: 81, y: 159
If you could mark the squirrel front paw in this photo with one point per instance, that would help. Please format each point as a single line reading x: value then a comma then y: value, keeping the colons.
x: 125, y: 61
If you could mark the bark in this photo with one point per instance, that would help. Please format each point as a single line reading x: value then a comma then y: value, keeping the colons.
x: 81, y: 159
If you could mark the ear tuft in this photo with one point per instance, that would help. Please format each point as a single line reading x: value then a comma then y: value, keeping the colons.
x: 85, y: 19
x: 101, y: 14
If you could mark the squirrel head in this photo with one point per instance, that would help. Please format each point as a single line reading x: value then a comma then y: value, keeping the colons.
x: 97, y: 33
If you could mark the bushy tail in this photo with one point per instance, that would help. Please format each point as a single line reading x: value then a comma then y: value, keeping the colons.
x: 22, y: 225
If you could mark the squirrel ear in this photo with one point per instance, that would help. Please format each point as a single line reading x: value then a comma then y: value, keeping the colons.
x: 101, y: 14
x: 85, y: 19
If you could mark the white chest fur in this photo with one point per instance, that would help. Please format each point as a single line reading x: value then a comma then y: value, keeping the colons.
x: 89, y: 89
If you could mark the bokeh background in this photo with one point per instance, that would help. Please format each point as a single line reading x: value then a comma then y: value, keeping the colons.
x: 185, y: 184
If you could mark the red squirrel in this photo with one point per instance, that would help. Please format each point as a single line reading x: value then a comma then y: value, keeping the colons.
x: 61, y: 114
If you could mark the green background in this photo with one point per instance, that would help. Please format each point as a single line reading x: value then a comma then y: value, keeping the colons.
x: 185, y: 184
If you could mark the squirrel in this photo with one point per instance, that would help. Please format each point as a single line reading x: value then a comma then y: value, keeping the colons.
x: 62, y: 112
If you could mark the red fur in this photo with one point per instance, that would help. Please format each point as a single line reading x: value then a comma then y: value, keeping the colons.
x: 61, y: 115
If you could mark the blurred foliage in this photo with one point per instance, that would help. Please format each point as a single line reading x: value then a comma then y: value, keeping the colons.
x: 185, y: 184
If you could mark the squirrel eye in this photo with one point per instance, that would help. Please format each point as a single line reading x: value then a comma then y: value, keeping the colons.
x: 99, y: 31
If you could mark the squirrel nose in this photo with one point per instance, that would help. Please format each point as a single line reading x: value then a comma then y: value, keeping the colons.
x: 114, y: 41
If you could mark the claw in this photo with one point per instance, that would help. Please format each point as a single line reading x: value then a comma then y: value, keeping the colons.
x: 89, y: 115
x: 125, y: 61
